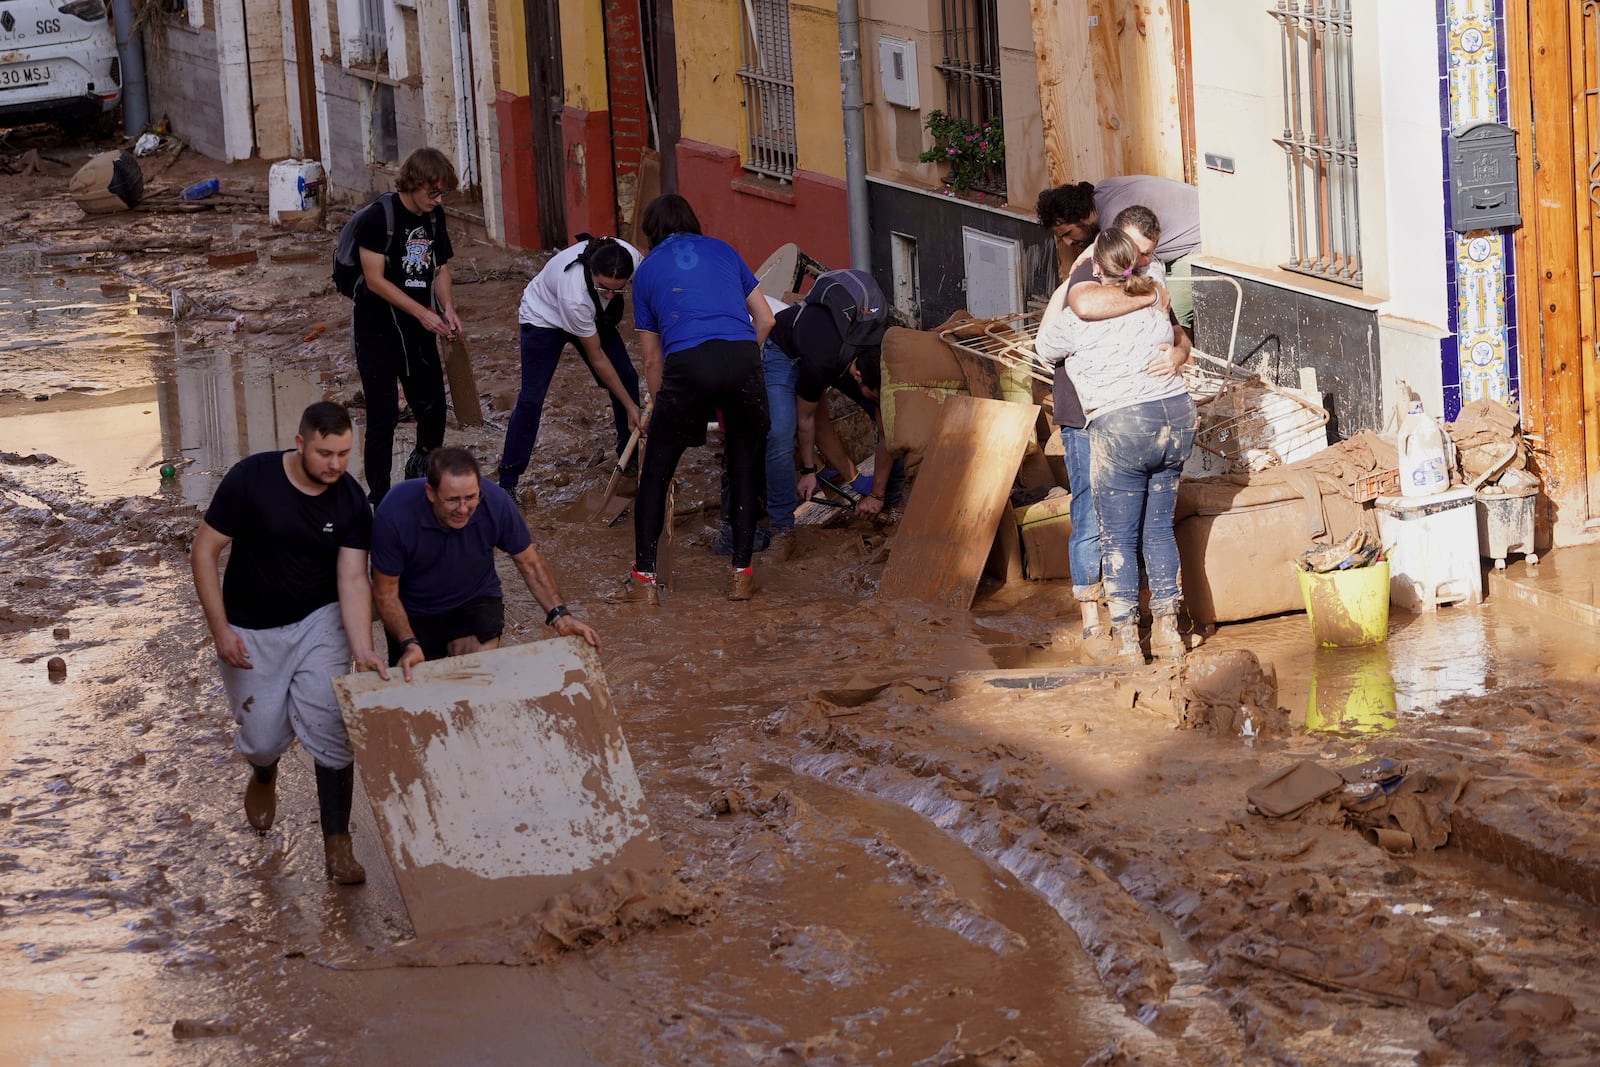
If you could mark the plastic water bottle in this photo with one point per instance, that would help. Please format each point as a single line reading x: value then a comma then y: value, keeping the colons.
x: 1424, y: 452
x: 201, y: 190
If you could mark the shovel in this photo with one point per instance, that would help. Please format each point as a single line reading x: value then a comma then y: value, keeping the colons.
x: 604, y: 507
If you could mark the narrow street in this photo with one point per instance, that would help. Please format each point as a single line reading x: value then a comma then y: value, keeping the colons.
x: 902, y: 835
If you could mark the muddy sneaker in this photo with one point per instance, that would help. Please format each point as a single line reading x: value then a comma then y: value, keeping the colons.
x: 260, y: 801
x: 781, y: 547
x: 340, y: 857
x: 1166, y: 643
x: 741, y: 583
x: 637, y: 588
x: 417, y: 463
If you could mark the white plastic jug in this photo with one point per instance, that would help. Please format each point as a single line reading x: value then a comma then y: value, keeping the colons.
x: 293, y: 185
x: 1424, y: 454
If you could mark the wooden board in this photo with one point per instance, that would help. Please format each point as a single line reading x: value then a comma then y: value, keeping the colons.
x: 498, y: 781
x: 962, y: 491
x: 463, y: 383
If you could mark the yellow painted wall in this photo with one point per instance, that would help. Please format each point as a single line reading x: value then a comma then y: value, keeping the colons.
x: 819, y: 122
x: 511, y: 36
x: 710, y: 95
x: 583, y: 54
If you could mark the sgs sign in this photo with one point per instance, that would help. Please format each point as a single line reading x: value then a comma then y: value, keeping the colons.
x: 44, y: 26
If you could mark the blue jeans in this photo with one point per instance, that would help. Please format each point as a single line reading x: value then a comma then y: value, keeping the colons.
x: 541, y: 351
x: 779, y: 370
x: 1083, y: 549
x: 1136, y: 456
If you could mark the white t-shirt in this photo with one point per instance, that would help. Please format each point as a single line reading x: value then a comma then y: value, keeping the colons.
x: 557, y: 298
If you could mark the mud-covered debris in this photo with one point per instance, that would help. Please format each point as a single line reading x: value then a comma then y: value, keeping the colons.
x: 221, y: 1026
x: 57, y: 667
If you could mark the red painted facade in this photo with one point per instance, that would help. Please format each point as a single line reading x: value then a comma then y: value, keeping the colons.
x: 517, y: 196
x: 755, y: 215
x: 625, y: 88
x: 591, y: 185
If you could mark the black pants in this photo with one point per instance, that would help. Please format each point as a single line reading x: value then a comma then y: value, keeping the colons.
x: 696, y: 385
x: 483, y: 618
x: 389, y: 360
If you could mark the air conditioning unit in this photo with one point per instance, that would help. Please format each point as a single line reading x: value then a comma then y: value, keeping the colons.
x: 897, y: 70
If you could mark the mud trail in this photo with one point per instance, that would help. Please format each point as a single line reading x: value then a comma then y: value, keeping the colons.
x: 909, y: 836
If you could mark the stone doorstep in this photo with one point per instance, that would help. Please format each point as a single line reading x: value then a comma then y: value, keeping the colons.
x: 1489, y: 832
x: 1550, y: 602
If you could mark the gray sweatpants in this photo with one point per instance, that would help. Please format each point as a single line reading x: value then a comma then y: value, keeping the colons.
x: 288, y: 691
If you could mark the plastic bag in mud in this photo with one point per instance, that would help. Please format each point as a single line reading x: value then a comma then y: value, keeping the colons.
x: 110, y: 181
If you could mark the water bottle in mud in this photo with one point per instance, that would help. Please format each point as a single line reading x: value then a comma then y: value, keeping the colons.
x: 201, y: 190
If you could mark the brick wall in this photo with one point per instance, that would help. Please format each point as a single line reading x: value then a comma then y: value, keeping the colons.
x: 625, y: 89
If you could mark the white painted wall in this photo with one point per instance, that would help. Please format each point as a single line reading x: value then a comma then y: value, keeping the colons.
x: 1245, y: 216
x: 238, y: 131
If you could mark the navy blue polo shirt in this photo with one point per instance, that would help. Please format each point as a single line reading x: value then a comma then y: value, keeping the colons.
x: 439, y: 568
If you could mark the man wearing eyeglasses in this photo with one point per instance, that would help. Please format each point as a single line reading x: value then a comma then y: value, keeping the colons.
x: 405, y: 306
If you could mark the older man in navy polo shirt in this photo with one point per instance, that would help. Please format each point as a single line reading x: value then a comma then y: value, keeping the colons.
x: 433, y: 575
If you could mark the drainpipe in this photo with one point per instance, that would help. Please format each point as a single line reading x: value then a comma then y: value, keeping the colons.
x: 130, y: 50
x: 855, y: 134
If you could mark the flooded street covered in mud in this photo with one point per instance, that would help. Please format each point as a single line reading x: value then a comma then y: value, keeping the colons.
x: 903, y: 835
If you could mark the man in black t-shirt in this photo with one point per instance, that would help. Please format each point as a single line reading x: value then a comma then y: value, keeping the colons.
x: 293, y: 610
x: 404, y: 306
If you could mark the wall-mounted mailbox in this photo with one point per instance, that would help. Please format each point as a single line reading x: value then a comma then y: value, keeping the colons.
x: 1483, y: 178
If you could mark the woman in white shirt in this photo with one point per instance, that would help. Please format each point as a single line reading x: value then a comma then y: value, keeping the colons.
x: 576, y: 299
x: 1141, y: 429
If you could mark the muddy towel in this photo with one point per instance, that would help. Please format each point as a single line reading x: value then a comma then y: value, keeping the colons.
x: 1418, y: 804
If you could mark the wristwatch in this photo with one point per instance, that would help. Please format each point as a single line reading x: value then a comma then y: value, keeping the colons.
x: 407, y: 642
x: 808, y: 470
x: 556, y: 613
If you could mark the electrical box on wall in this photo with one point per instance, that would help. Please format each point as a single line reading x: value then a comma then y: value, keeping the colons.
x: 1483, y: 178
x: 897, y: 70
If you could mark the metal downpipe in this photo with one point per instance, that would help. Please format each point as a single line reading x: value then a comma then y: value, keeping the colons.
x: 130, y: 49
x: 855, y: 134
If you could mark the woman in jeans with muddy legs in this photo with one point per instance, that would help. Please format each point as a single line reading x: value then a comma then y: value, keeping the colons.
x: 1141, y: 428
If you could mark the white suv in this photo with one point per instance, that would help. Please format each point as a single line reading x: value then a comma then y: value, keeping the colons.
x: 58, y: 61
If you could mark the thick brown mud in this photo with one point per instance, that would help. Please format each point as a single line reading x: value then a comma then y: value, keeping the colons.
x: 900, y: 834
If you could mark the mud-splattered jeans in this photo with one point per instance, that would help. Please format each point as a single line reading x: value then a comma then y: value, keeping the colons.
x: 1135, y: 457
x: 1083, y: 546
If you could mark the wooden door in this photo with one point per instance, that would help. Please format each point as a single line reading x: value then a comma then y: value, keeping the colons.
x: 545, y: 97
x: 1553, y: 61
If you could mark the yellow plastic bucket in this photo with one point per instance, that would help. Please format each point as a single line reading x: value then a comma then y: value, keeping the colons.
x: 1347, y: 608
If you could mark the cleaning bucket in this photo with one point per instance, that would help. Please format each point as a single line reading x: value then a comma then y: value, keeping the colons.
x: 1349, y: 607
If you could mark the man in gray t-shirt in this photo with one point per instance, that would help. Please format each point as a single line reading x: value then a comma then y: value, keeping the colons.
x: 1075, y: 212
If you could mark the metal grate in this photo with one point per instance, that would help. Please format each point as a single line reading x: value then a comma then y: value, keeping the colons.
x: 971, y: 70
x: 768, y: 76
x: 373, y: 37
x: 1319, y: 138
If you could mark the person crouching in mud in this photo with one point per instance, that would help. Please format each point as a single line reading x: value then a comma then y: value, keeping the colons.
x: 293, y: 610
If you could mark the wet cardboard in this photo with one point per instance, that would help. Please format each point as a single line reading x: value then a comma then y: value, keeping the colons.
x: 498, y: 780
x: 961, y: 493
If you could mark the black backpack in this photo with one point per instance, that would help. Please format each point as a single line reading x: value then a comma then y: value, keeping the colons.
x: 347, y: 274
x: 856, y: 304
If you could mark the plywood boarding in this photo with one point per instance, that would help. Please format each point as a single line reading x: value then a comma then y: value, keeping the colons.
x: 498, y: 781
x: 1110, y: 89
x: 962, y: 490
x: 463, y: 384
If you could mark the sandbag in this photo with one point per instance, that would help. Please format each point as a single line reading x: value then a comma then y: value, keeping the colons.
x: 110, y: 181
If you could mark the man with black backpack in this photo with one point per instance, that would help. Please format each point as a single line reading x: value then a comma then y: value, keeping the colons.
x: 831, y: 338
x: 404, y: 303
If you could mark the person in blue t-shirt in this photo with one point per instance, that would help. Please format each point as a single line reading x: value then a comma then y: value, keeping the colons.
x: 701, y: 319
x: 433, y: 576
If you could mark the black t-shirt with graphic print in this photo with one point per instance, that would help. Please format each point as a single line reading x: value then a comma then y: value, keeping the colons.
x: 283, y: 564
x: 419, y: 246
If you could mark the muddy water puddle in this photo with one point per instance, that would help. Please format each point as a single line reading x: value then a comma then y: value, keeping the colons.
x: 99, y: 380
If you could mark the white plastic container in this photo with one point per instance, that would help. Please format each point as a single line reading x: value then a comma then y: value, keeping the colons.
x: 1433, y: 549
x: 1424, y: 454
x: 1505, y: 523
x: 294, y: 185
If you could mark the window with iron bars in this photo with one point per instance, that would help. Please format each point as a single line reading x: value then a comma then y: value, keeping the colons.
x: 1319, y: 138
x: 971, y: 71
x: 768, y: 76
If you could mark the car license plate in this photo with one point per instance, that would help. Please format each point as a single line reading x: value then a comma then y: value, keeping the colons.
x: 18, y: 76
